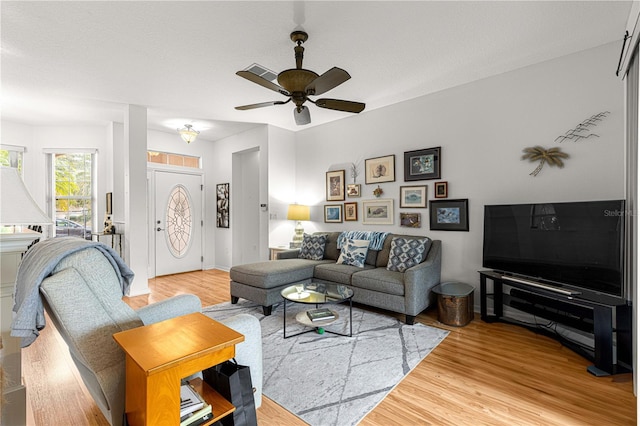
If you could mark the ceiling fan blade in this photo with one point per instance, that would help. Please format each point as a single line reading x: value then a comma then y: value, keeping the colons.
x: 340, y: 105
x: 327, y: 81
x: 262, y: 82
x: 261, y: 104
x: 303, y: 117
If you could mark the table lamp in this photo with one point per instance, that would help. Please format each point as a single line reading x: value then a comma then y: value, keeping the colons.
x: 298, y: 213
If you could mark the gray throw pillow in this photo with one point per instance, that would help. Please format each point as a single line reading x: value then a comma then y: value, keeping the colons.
x: 407, y: 252
x: 312, y: 247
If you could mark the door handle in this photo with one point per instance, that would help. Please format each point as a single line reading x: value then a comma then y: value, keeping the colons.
x: 159, y: 229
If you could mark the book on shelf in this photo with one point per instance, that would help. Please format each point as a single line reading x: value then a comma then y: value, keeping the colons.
x: 320, y: 314
x: 190, y: 400
x: 197, y: 417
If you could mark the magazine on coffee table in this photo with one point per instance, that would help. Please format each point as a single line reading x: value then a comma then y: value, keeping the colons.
x: 320, y: 314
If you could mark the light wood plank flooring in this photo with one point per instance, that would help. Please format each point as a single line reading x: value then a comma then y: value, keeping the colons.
x: 482, y: 374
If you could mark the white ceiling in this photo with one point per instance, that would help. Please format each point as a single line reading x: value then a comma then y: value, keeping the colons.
x: 73, y: 62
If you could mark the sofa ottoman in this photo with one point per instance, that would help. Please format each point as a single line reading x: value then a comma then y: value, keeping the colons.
x: 263, y: 281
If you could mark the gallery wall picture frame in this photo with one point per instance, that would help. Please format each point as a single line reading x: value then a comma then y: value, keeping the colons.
x: 422, y: 164
x: 377, y: 212
x: 449, y: 215
x: 410, y: 220
x: 333, y: 213
x: 350, y: 211
x: 222, y: 205
x: 353, y: 190
x: 335, y: 185
x: 380, y: 169
x: 441, y: 190
x: 413, y: 196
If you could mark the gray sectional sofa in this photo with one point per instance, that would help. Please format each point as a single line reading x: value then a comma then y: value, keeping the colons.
x: 407, y: 292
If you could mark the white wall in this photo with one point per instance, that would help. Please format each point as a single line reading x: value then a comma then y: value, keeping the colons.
x: 37, y: 138
x: 116, y: 184
x: 282, y: 185
x: 248, y: 216
x: 223, y: 151
x: 482, y: 128
x: 22, y: 135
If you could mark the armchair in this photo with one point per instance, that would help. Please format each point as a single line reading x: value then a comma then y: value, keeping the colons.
x: 83, y: 298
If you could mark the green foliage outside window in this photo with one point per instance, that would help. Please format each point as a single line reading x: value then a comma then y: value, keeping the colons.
x: 73, y: 187
x: 11, y: 159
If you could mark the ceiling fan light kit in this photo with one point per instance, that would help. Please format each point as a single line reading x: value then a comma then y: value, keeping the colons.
x: 299, y: 83
x: 301, y: 115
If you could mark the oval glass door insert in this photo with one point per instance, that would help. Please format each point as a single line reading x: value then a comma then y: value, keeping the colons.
x: 179, y: 221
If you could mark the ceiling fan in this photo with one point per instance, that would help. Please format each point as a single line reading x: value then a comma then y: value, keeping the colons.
x: 298, y: 84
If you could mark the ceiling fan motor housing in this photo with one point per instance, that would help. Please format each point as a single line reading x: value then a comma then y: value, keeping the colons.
x: 296, y: 80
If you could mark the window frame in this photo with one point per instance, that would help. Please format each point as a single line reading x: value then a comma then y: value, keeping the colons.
x: 51, y: 182
x: 19, y: 151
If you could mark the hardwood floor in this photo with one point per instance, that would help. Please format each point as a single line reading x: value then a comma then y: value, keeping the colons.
x: 482, y: 374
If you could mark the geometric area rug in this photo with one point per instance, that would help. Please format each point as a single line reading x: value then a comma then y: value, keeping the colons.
x: 327, y: 379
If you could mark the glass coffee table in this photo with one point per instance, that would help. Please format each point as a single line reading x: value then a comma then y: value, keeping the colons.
x: 317, y: 295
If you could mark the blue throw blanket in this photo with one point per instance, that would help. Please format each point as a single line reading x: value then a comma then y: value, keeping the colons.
x: 375, y: 238
x: 37, y: 264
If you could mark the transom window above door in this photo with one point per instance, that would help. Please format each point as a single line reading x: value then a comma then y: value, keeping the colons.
x: 171, y: 159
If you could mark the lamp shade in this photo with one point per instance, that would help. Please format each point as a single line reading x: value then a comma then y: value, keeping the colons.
x: 16, y: 205
x: 298, y: 212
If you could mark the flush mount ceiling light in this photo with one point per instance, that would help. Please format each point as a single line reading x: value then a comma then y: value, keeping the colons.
x: 188, y: 134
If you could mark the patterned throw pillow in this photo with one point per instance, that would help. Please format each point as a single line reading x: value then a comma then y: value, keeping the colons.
x: 407, y: 252
x: 312, y: 247
x: 354, y: 253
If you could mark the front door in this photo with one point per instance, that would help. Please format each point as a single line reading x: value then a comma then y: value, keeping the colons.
x: 178, y: 222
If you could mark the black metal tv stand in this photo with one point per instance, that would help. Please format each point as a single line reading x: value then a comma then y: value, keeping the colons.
x: 608, y: 323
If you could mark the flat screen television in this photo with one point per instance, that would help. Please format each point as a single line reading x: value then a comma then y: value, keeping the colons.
x: 577, y: 246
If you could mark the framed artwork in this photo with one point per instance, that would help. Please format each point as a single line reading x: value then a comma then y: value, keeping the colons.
x: 333, y: 213
x: 109, y: 203
x: 377, y: 212
x: 449, y: 215
x: 380, y: 169
x: 353, y: 190
x: 413, y: 196
x: 222, y: 205
x: 350, y: 211
x: 410, y: 220
x: 441, y: 190
x: 422, y: 164
x: 335, y: 185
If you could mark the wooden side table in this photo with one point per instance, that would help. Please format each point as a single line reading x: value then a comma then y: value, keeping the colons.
x: 273, y: 252
x: 159, y: 355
